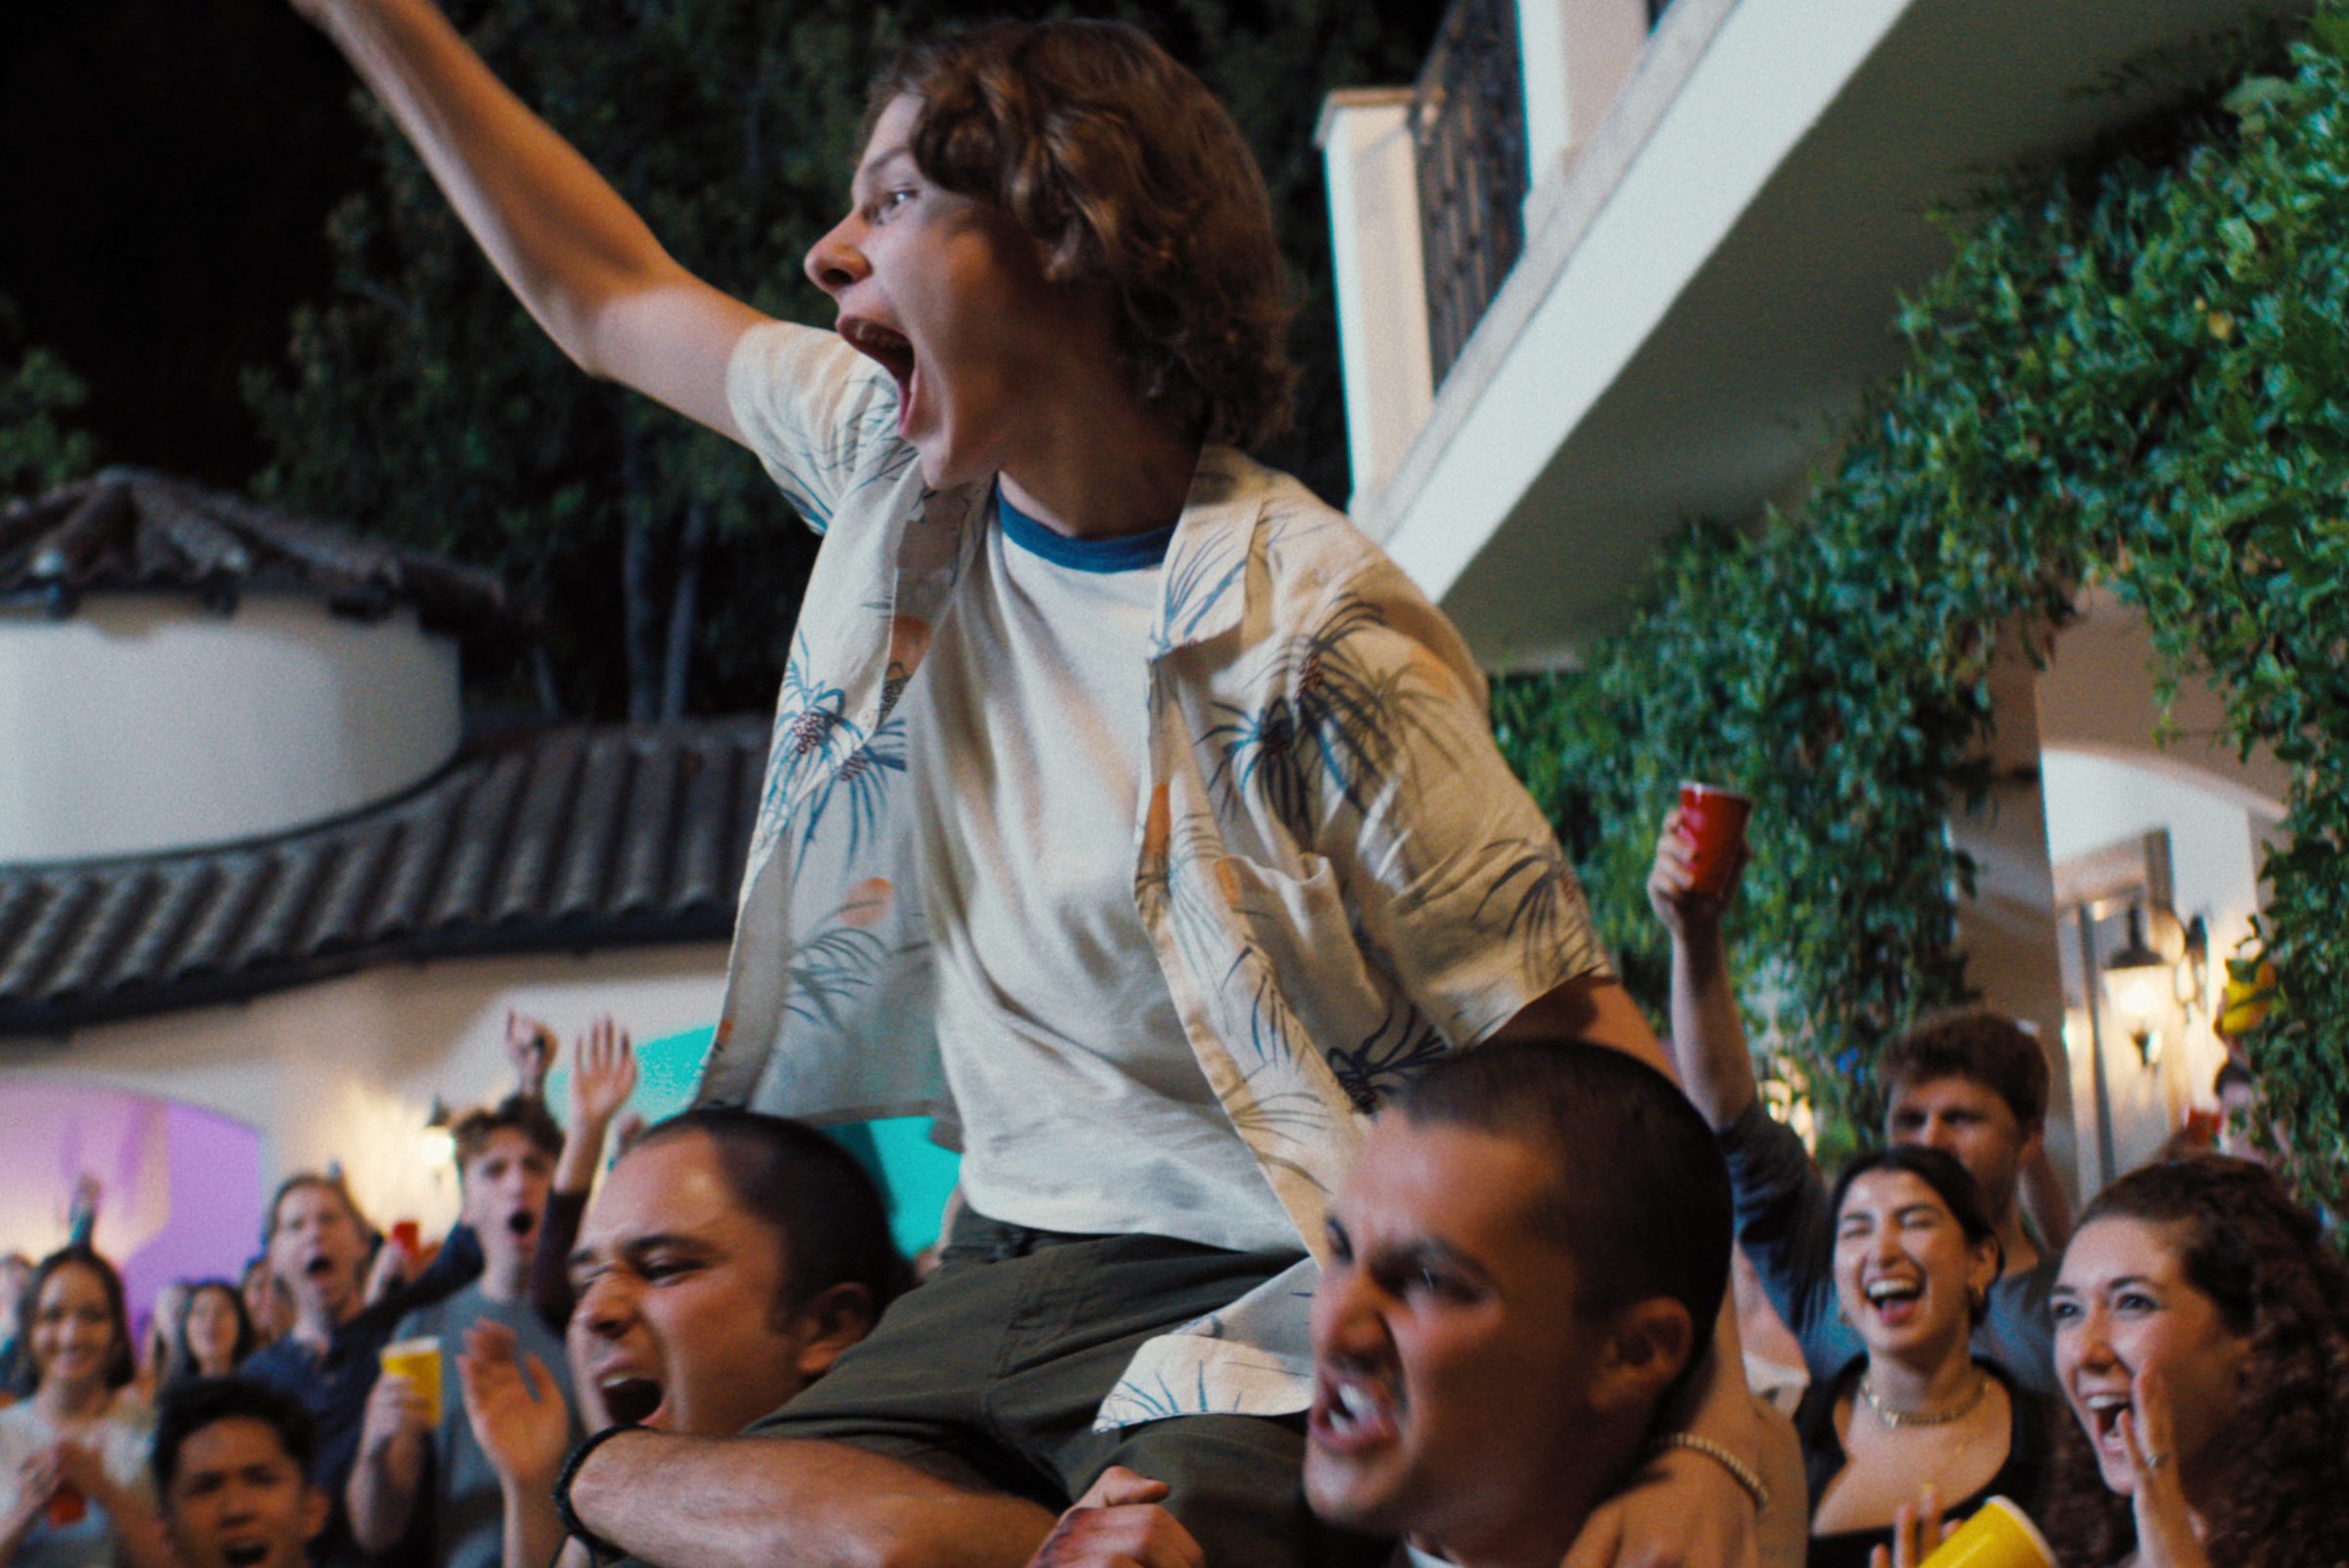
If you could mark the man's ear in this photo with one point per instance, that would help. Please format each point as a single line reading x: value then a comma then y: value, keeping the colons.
x: 829, y: 1322
x: 315, y: 1508
x: 2034, y: 1138
x: 1648, y: 1345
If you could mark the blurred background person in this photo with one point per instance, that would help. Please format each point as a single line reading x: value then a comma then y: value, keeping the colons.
x: 1914, y: 1257
x: 2201, y: 1337
x: 269, y: 1302
x: 215, y: 1335
x: 318, y: 1242
x: 73, y: 1457
x: 421, y: 1484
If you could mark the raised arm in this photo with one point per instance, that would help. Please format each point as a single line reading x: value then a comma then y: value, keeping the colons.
x: 1709, y: 1035
x: 579, y: 259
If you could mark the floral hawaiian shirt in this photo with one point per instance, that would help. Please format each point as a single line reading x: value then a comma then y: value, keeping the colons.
x: 1339, y: 875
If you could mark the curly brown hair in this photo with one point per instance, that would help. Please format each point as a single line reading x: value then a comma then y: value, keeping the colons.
x: 1974, y: 1042
x: 2278, y: 1500
x: 1129, y: 177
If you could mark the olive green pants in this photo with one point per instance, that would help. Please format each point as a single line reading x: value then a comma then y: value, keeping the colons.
x: 988, y: 1376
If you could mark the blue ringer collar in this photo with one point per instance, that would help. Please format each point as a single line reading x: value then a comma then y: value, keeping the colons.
x: 1126, y: 554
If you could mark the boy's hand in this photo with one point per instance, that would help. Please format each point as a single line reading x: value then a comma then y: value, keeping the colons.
x: 603, y: 1074
x: 1686, y: 913
x: 1681, y: 1510
x: 1118, y: 1525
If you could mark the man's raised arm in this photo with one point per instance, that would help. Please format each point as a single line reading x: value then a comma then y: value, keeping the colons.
x: 1707, y: 1033
x: 579, y: 259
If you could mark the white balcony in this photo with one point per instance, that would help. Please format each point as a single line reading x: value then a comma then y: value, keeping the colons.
x: 1722, y: 217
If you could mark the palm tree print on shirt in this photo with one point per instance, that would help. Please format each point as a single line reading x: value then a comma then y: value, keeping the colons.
x: 1339, y: 721
x: 843, y: 957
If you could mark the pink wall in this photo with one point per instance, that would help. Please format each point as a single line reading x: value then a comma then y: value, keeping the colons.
x: 182, y: 1186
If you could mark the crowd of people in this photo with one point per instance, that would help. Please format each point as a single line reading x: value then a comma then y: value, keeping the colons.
x: 1133, y: 812
x: 1526, y: 1266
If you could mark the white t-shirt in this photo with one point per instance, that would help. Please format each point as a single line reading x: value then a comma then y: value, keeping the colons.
x: 1083, y: 1106
x: 121, y: 1438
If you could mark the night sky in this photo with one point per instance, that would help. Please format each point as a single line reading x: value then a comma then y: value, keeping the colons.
x: 166, y: 167
x: 166, y: 172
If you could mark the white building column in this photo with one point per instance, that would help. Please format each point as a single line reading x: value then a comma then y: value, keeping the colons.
x: 2007, y: 930
x: 1577, y: 54
x: 1381, y: 282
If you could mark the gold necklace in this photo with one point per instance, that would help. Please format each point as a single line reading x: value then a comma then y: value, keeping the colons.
x: 1925, y: 1417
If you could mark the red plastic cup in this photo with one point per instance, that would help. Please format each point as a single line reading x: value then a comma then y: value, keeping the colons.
x: 66, y: 1505
x: 1713, y: 820
x: 408, y: 1236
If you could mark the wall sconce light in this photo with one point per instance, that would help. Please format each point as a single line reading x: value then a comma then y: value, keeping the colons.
x: 2140, y: 983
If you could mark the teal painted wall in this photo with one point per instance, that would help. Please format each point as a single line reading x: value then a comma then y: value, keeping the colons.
x: 915, y: 1174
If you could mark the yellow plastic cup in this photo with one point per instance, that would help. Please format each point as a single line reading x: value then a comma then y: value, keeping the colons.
x: 1999, y: 1535
x: 419, y: 1361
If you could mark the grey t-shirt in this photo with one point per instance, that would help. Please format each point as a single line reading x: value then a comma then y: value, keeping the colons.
x: 1788, y: 1228
x: 464, y: 1518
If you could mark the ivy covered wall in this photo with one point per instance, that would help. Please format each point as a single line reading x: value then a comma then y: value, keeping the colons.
x: 2134, y: 372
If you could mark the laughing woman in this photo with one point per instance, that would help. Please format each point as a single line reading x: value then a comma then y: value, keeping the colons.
x: 1914, y: 1258
x: 73, y: 1485
x: 2201, y: 1339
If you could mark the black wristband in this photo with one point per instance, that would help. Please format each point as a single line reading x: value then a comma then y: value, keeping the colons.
x: 598, y: 1548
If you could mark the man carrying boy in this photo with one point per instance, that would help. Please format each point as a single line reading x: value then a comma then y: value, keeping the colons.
x: 431, y: 1486
x: 1121, y: 792
x: 727, y: 1261
x: 1971, y: 1084
x: 232, y: 1461
x: 1529, y: 1255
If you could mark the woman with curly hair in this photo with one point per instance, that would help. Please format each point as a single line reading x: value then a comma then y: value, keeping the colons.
x: 2201, y: 1339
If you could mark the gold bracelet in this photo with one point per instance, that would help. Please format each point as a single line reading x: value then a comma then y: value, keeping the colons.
x: 1739, y: 1470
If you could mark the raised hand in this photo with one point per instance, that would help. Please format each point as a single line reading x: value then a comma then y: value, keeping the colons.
x: 530, y: 1048
x: 1671, y: 885
x: 603, y: 1073
x: 2166, y: 1534
x: 514, y: 1407
x: 1917, y: 1531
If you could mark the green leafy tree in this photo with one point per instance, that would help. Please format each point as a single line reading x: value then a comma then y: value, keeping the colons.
x: 420, y: 400
x: 2131, y: 374
x: 39, y: 443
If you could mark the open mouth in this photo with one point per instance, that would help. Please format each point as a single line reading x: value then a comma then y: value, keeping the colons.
x: 521, y: 1221
x: 318, y: 1268
x: 888, y: 349
x: 630, y: 1399
x: 1894, y: 1301
x: 1351, y: 1415
x: 245, y: 1553
x: 2105, y: 1412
